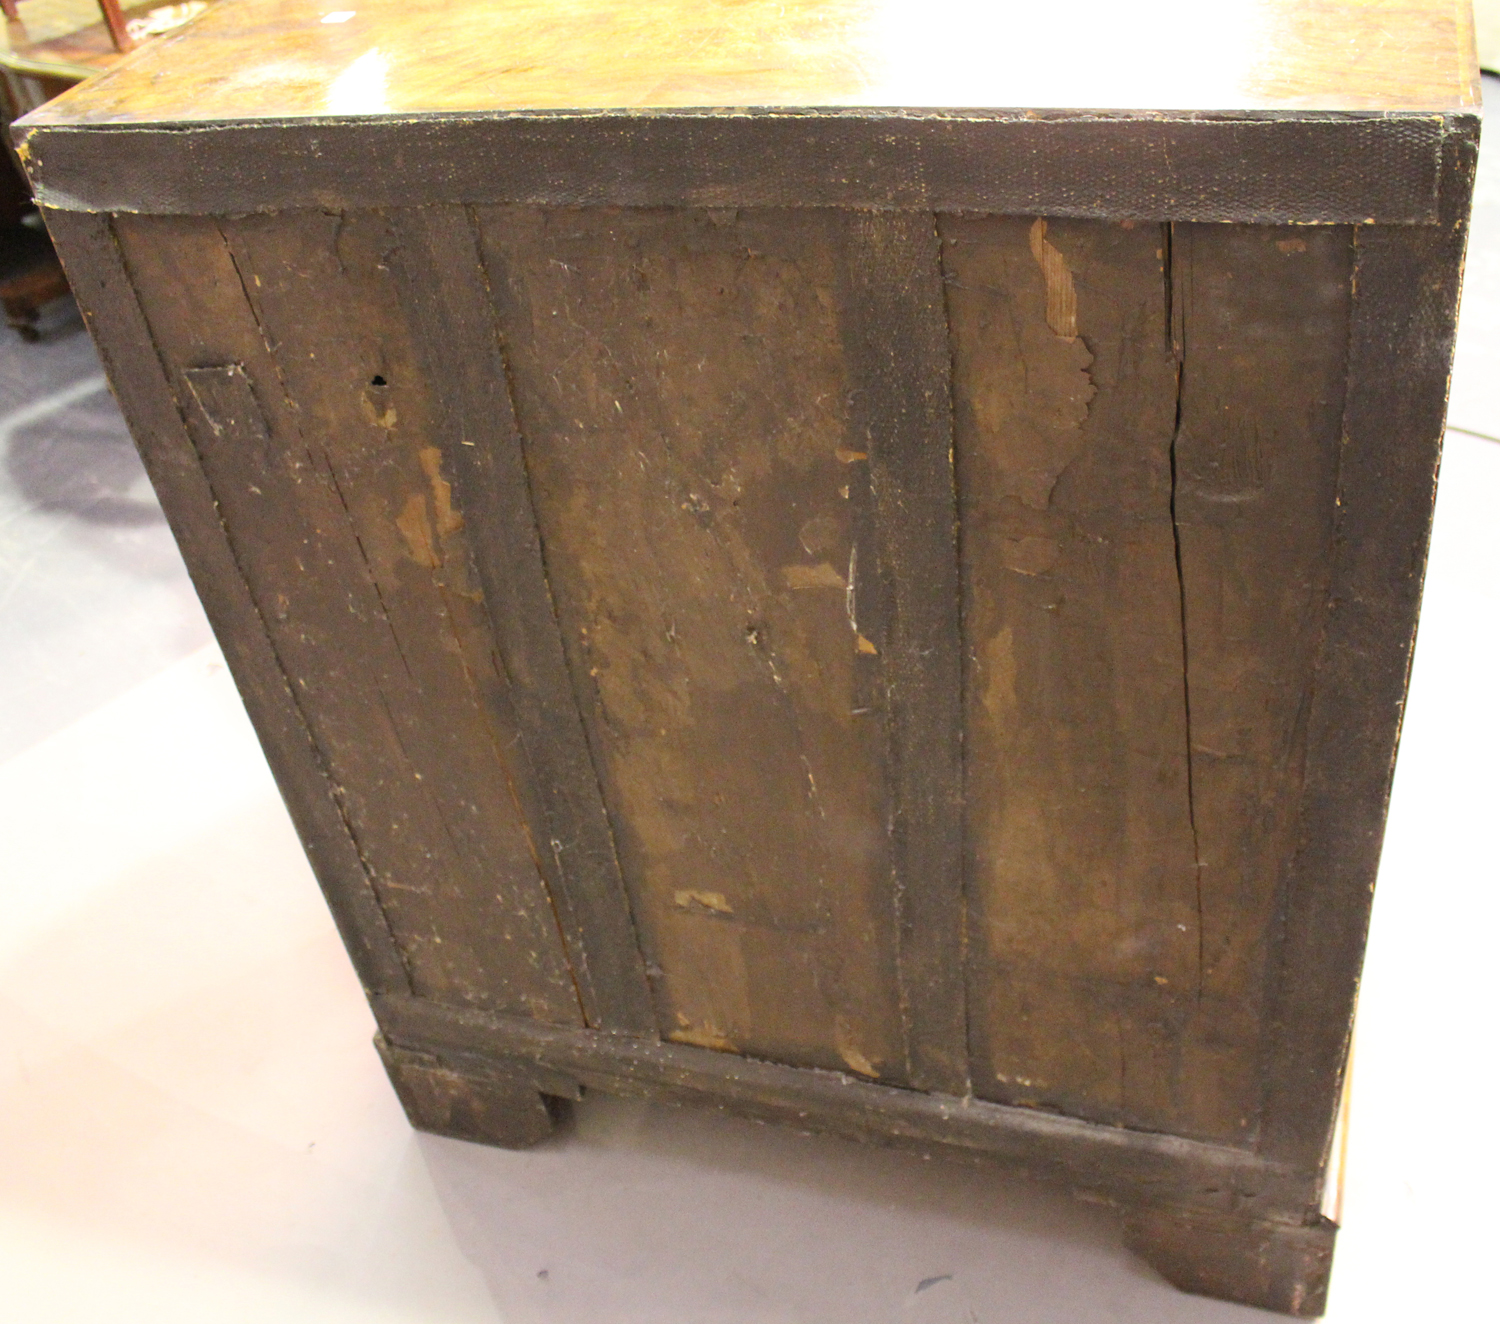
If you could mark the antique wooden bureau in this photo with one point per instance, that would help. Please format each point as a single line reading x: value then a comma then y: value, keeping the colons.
x: 850, y: 560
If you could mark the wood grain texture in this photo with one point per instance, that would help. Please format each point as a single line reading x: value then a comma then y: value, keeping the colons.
x: 139, y: 380
x: 1145, y: 563
x: 847, y: 559
x: 341, y: 522
x: 275, y: 57
x: 682, y: 392
x: 1400, y: 349
x: 1263, y: 328
x: 1083, y: 923
x: 445, y: 298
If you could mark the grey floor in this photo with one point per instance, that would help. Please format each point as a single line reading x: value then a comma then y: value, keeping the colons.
x: 193, y: 1126
x: 93, y: 595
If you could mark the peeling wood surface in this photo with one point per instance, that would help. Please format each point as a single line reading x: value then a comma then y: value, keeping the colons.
x: 883, y: 613
x: 844, y: 791
x: 300, y: 392
x: 1083, y: 925
x: 1144, y: 574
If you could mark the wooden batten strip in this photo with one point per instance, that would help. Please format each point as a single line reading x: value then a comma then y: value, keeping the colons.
x: 896, y: 337
x: 1139, y: 1167
x: 444, y: 291
x: 1313, y: 167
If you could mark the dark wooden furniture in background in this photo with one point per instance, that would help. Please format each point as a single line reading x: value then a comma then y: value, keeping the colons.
x: 864, y: 611
x: 30, y: 276
x: 51, y: 47
x: 58, y: 43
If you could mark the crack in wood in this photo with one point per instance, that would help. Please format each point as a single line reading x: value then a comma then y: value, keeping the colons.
x: 1179, y: 337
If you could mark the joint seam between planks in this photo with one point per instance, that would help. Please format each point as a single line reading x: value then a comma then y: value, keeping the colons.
x: 588, y: 901
x: 963, y: 671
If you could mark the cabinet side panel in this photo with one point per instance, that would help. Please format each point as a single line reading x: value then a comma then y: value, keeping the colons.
x: 681, y: 389
x: 275, y: 331
x: 1406, y: 287
x: 1083, y: 930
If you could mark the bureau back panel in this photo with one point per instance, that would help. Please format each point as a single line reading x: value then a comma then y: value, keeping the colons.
x: 879, y: 642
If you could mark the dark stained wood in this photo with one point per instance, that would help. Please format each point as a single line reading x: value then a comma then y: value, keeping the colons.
x: 1083, y: 923
x: 445, y: 298
x: 681, y: 389
x: 1133, y: 1166
x: 138, y: 377
x: 1213, y: 167
x: 1129, y: 768
x: 1400, y: 348
x: 492, y: 1105
x: 1263, y: 331
x: 341, y: 526
x: 904, y: 606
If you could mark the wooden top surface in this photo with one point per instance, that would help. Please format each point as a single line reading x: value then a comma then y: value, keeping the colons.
x: 257, y: 59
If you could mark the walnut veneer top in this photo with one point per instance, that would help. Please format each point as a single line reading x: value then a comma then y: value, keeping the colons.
x: 248, y: 59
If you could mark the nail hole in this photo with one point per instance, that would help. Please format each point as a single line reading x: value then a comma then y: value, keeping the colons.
x: 377, y: 380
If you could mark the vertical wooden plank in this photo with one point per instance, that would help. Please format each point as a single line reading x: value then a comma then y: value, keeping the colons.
x: 1406, y: 282
x: 359, y: 573
x: 102, y: 287
x: 1264, y: 333
x: 1083, y: 941
x: 896, y: 338
x: 682, y: 391
x: 1147, y: 558
x: 446, y: 298
x: 349, y: 355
